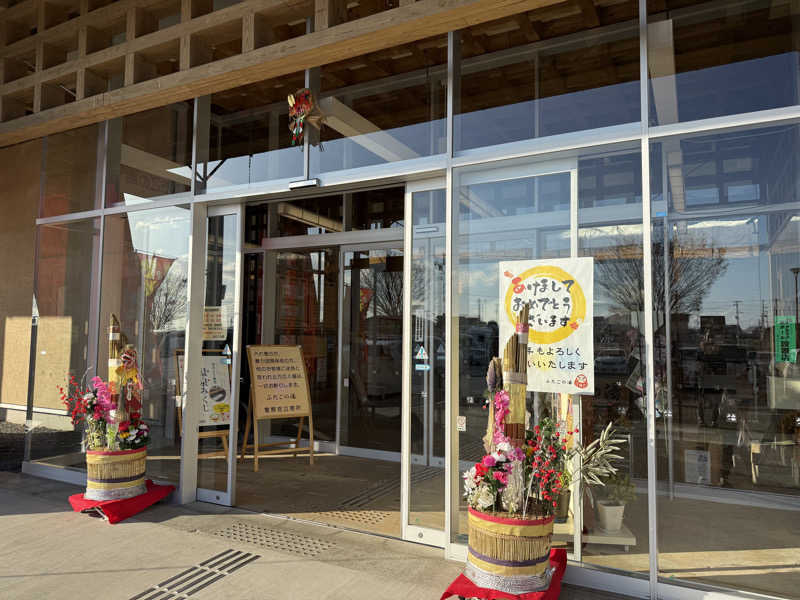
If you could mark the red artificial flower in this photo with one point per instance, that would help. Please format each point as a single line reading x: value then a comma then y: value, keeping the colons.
x: 480, y: 470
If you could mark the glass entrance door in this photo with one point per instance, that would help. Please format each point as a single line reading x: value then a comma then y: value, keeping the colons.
x: 371, y: 360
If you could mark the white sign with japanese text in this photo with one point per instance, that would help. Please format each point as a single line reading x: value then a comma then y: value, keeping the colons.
x: 213, y: 328
x: 560, y: 338
x: 215, y: 389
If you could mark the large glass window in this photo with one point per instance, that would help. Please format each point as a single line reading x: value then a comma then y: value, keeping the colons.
x: 709, y: 59
x: 149, y: 154
x: 248, y: 136
x: 518, y: 211
x: 70, y: 169
x: 145, y: 271
x: 726, y: 258
x: 549, y: 71
x: 382, y: 107
x: 62, y: 302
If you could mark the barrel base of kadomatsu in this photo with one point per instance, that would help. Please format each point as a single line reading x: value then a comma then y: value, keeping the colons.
x: 115, y: 475
x: 509, y: 554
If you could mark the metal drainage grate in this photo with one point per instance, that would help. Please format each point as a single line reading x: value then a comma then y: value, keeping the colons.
x: 363, y: 517
x: 199, y: 577
x: 275, y: 539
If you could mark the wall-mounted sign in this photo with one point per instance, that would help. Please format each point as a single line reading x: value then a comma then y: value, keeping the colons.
x: 785, y: 339
x: 560, y: 337
x: 215, y: 389
x: 213, y: 328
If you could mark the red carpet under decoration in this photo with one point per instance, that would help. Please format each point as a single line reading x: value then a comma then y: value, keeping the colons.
x: 119, y: 510
x: 465, y: 588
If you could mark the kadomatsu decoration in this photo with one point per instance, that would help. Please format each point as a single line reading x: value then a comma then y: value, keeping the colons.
x: 514, y: 490
x: 115, y: 435
x: 303, y: 110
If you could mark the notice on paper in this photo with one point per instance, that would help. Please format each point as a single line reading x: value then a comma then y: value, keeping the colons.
x: 560, y: 295
x: 213, y: 329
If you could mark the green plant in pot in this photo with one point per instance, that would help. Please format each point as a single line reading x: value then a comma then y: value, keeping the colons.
x: 619, y: 491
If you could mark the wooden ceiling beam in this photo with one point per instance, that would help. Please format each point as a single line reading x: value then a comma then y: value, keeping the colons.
x: 386, y: 29
x: 589, y: 10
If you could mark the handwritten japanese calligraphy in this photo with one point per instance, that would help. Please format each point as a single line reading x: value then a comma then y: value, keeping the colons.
x: 279, y: 381
x: 559, y: 293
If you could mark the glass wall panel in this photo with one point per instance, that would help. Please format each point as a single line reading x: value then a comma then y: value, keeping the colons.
x: 610, y: 231
x: 249, y: 138
x: 70, y: 169
x: 19, y: 204
x: 499, y: 214
x: 144, y: 285
x: 62, y: 301
x: 553, y: 70
x: 726, y: 258
x: 709, y: 59
x: 520, y: 210
x: 149, y: 154
x: 382, y: 107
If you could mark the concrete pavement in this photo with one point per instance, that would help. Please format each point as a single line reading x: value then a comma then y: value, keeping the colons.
x: 47, y: 551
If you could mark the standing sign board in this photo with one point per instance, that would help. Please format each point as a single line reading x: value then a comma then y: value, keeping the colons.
x: 278, y: 390
x: 560, y: 337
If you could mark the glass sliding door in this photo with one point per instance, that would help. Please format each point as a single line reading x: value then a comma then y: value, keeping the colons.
x: 371, y: 341
x: 301, y: 306
x: 219, y: 370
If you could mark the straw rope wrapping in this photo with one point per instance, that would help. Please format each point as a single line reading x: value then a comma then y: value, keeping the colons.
x: 117, y: 475
x: 509, y: 553
x: 511, y: 584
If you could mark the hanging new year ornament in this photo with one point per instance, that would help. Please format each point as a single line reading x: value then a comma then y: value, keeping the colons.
x: 303, y: 111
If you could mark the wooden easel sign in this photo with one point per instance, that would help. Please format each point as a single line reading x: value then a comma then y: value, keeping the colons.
x: 278, y: 390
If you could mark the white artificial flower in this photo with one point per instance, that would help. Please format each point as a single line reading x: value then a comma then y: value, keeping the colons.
x: 499, y: 457
x: 504, y: 447
x: 484, y: 497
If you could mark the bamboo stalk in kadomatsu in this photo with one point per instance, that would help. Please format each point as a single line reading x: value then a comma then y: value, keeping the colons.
x: 515, y: 377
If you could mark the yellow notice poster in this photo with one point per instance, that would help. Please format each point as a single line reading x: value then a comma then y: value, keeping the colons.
x: 279, y: 382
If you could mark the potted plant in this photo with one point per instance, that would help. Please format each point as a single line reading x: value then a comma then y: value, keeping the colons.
x: 619, y: 491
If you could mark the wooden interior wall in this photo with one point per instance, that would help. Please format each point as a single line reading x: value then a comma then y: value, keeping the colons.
x: 19, y: 172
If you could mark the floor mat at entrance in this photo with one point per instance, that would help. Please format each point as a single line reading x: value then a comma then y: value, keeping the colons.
x: 386, y: 488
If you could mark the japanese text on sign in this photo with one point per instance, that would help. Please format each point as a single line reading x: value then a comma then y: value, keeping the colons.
x: 213, y: 328
x: 559, y: 293
x: 215, y: 389
x: 785, y: 339
x: 279, y: 381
